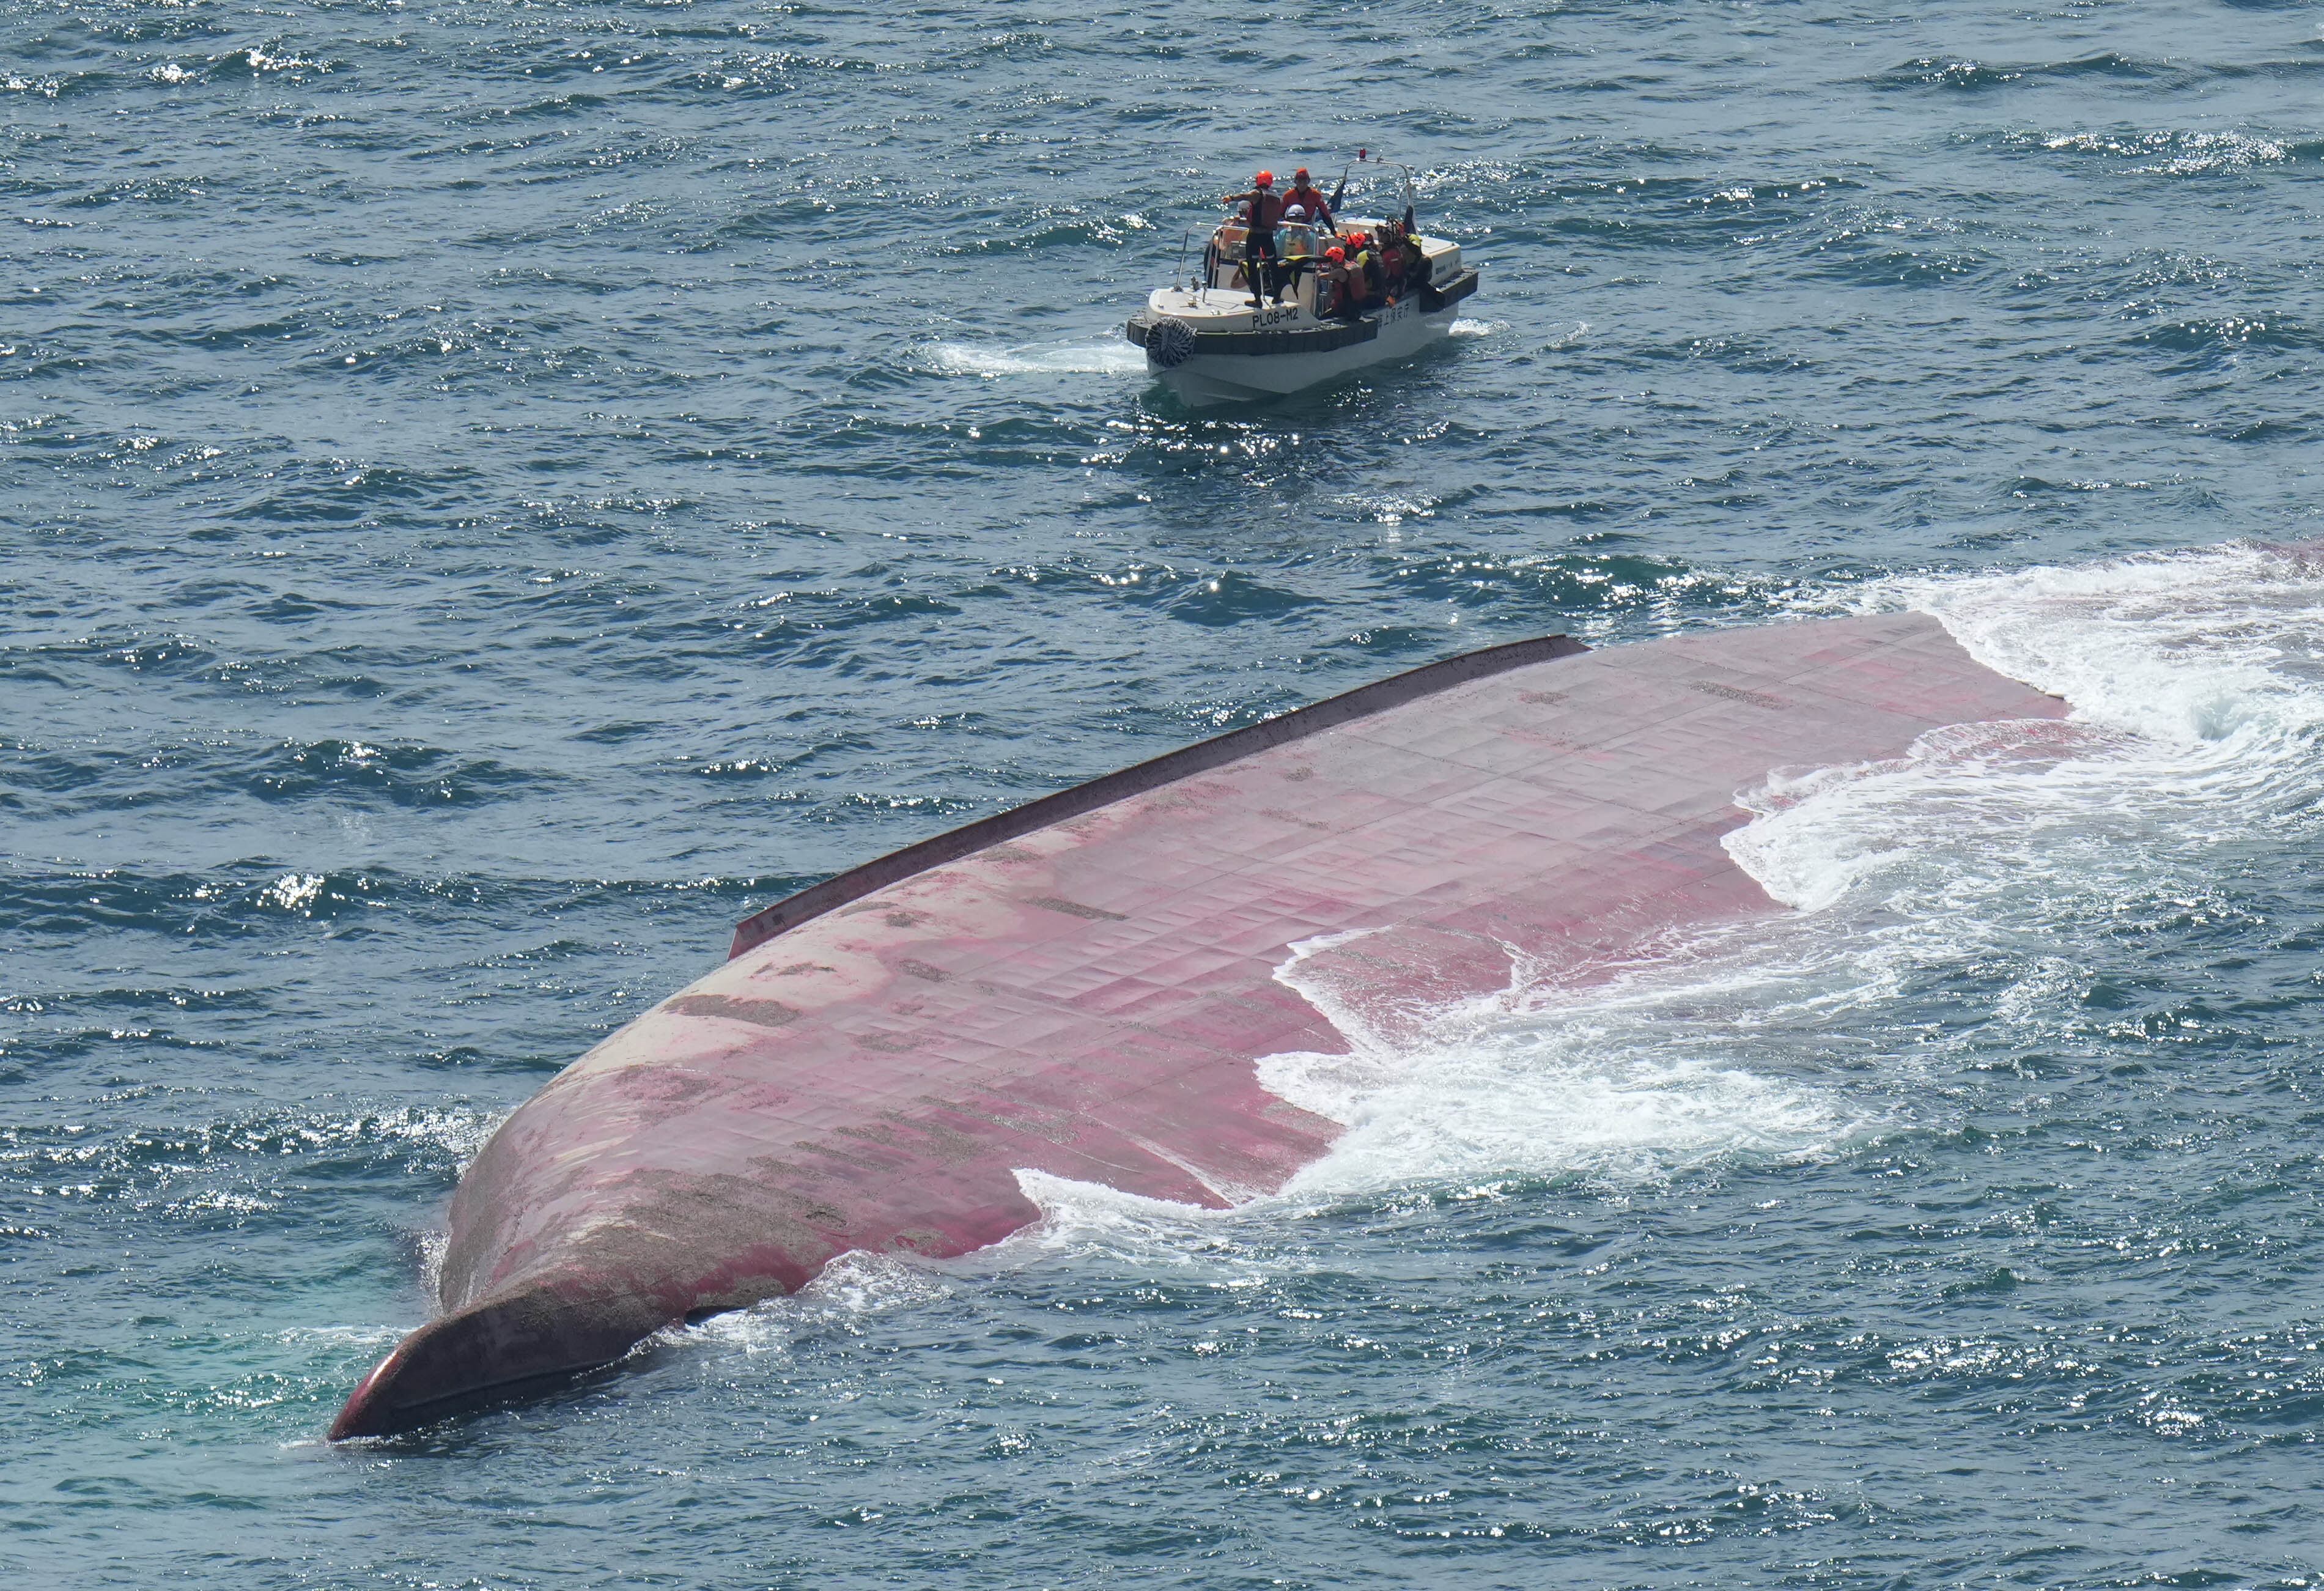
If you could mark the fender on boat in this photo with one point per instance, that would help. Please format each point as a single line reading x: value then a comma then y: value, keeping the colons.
x: 1083, y: 986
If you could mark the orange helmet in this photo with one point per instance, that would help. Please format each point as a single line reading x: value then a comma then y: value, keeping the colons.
x: 1264, y: 179
x: 1300, y: 175
x: 1335, y: 254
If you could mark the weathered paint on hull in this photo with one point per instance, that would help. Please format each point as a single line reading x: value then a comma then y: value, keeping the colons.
x: 1083, y: 986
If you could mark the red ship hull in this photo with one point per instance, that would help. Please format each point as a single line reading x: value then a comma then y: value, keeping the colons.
x: 1083, y: 986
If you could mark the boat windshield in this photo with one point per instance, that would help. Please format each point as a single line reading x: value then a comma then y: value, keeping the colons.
x: 1293, y: 241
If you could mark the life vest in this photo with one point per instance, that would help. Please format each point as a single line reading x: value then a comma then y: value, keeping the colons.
x: 1332, y: 289
x: 1318, y: 207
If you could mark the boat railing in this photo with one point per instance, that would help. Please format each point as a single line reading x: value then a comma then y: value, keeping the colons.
x: 1293, y: 239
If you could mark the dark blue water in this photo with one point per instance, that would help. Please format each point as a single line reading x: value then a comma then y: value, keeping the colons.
x: 493, y: 493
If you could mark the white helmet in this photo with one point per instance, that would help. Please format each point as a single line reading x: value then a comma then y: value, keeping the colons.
x: 1297, y: 212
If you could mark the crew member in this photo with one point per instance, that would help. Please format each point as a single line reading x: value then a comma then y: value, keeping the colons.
x: 1333, y: 294
x: 1396, y: 261
x: 1415, y: 262
x: 1303, y: 193
x: 1295, y: 251
x: 1364, y: 278
x: 1262, y: 209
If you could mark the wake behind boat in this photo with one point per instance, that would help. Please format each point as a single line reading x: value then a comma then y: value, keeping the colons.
x: 1288, y: 294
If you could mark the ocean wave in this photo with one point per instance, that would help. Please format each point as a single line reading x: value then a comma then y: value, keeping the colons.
x: 84, y: 779
x: 1964, y: 73
x: 2197, y: 684
x: 177, y: 1170
x: 650, y: 302
x: 846, y: 1298
x: 1623, y: 1088
x: 2210, y: 336
x: 2169, y: 153
x: 405, y: 775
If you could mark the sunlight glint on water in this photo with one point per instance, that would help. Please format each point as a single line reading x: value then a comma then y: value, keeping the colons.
x: 495, y: 494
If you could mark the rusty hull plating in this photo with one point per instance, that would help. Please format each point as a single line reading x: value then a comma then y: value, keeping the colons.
x: 1083, y: 986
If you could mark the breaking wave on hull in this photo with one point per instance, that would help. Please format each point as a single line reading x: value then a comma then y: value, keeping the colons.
x: 1980, y: 875
x: 846, y: 1298
x: 1986, y: 868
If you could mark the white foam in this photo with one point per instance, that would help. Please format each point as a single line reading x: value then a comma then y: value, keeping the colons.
x: 344, y: 1337
x: 2196, y: 644
x: 433, y: 1246
x: 1636, y: 1078
x: 1082, y: 1222
x: 2196, y: 680
x: 851, y: 1293
x: 1106, y: 357
x: 2197, y: 684
x: 2006, y: 853
x: 1569, y: 1092
x: 1089, y: 1217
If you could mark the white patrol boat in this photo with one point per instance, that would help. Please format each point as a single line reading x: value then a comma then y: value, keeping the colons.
x: 1213, y: 336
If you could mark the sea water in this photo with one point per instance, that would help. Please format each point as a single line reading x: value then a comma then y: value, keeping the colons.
x: 496, y: 492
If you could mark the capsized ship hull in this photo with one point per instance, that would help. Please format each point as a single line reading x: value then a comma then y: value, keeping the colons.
x: 1083, y: 986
